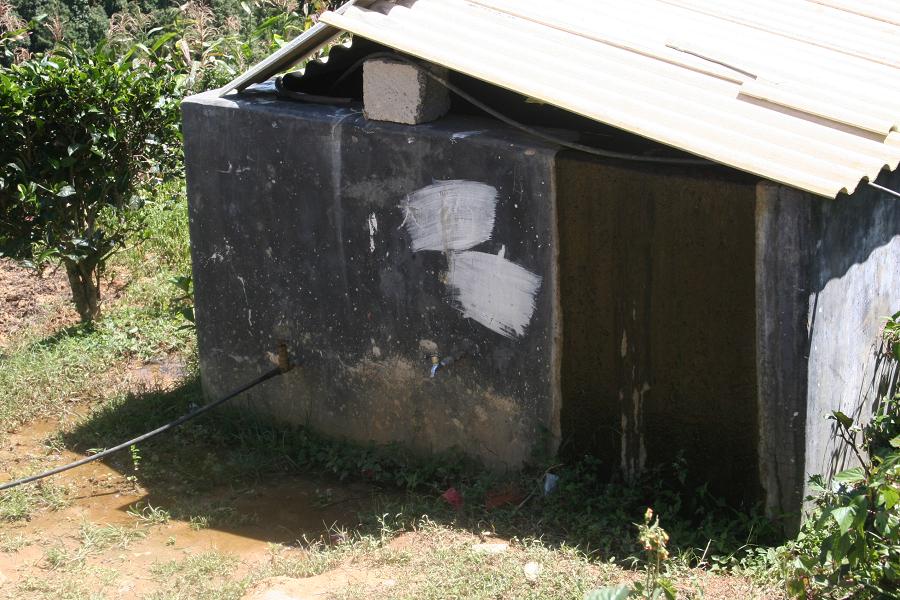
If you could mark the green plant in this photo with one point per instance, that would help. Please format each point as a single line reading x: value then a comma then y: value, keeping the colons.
x: 891, y: 335
x: 96, y: 538
x: 59, y: 557
x: 149, y: 514
x: 81, y: 135
x: 201, y: 575
x: 135, y: 457
x: 654, y: 540
x: 184, y: 303
x: 850, y: 544
x: 10, y: 543
x: 18, y: 503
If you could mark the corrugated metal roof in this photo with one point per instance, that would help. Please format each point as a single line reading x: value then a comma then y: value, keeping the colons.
x: 803, y: 92
x: 291, y: 53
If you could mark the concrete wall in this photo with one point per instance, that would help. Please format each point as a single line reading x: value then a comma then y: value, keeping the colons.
x: 633, y: 311
x: 828, y: 273
x: 657, y: 288
x: 342, y: 236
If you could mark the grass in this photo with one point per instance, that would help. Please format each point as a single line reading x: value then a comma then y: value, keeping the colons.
x: 61, y: 557
x: 218, y: 514
x: 56, y: 588
x: 97, y: 538
x: 437, y: 561
x: 147, y: 514
x: 230, y: 448
x: 83, y: 583
x: 454, y: 567
x: 12, y: 543
x: 18, y: 504
x: 205, y: 575
x: 92, y: 539
x: 316, y: 557
x: 41, y: 375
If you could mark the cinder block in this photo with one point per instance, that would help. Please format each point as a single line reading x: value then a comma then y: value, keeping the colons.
x: 398, y: 92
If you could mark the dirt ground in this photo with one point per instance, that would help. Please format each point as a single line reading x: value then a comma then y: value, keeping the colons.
x: 277, y: 512
x: 51, y: 543
x: 51, y: 555
x: 27, y: 298
x: 103, y: 541
x: 39, y: 302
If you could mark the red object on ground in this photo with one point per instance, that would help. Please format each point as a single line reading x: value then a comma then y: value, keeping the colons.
x: 453, y: 498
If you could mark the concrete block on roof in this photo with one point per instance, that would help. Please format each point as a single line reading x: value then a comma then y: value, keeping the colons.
x: 400, y: 93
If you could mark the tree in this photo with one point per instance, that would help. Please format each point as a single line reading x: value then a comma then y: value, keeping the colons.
x: 81, y: 134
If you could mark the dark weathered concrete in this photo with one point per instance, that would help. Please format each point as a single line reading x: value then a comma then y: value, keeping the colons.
x: 656, y: 285
x: 635, y: 312
x: 298, y: 233
x: 828, y: 273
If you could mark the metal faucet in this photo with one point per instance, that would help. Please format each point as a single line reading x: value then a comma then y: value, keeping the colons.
x: 438, y: 363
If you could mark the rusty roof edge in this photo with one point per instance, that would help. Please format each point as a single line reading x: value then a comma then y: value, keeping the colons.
x: 299, y: 48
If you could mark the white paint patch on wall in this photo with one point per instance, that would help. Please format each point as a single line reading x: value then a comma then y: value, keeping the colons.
x: 493, y: 291
x: 450, y: 215
x: 372, y: 223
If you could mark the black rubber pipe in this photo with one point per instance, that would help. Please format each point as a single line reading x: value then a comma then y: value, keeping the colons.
x: 284, y: 366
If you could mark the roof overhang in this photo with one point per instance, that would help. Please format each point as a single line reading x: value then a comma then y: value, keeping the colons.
x: 801, y: 92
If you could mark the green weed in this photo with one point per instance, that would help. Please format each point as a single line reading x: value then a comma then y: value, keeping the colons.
x: 850, y: 543
x: 314, y: 560
x: 204, y: 575
x: 19, y: 503
x: 218, y: 514
x: 97, y: 538
x: 12, y: 543
x: 148, y: 514
x: 56, y: 588
x: 61, y: 557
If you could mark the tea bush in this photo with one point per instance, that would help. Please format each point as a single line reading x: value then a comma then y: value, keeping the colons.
x: 82, y: 133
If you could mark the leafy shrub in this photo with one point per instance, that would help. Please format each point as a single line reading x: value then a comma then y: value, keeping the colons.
x: 207, y: 42
x: 81, y: 134
x: 850, y: 545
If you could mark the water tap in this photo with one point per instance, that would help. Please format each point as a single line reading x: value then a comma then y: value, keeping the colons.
x: 438, y: 363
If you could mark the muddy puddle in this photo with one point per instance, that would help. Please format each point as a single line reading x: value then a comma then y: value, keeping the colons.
x: 244, y: 519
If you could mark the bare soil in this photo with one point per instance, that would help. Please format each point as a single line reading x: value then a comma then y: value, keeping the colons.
x: 28, y: 298
x: 283, y: 512
x: 41, y: 301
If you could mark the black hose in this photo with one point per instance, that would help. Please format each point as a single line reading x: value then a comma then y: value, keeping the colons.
x: 283, y: 367
x: 284, y: 92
